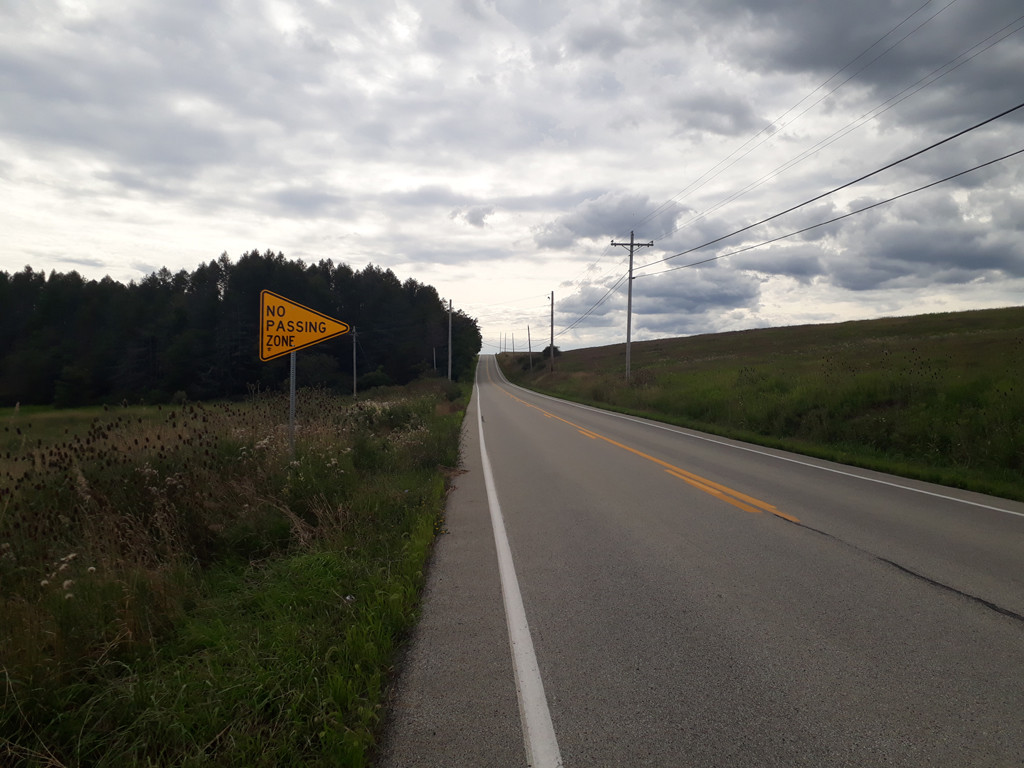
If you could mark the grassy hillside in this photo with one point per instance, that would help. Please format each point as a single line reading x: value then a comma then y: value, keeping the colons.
x: 939, y: 397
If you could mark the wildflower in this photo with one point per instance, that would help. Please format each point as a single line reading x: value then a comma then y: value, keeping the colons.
x: 68, y: 583
x: 68, y: 596
x: 44, y: 583
x: 92, y: 569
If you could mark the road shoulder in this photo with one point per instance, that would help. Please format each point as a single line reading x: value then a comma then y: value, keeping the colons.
x: 454, y: 699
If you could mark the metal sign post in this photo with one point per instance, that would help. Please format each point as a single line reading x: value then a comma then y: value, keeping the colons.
x: 291, y: 410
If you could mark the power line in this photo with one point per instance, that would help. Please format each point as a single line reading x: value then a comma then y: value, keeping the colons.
x: 595, y: 306
x: 721, y: 166
x: 837, y: 189
x: 950, y: 66
x: 836, y: 218
x: 618, y: 282
x: 914, y: 88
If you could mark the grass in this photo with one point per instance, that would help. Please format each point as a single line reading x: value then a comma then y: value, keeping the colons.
x: 937, y: 397
x: 178, y: 590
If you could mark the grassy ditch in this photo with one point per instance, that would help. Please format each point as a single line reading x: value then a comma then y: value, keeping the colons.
x: 937, y: 397
x: 178, y: 590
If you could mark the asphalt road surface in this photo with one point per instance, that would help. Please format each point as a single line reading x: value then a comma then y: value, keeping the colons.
x: 693, y: 601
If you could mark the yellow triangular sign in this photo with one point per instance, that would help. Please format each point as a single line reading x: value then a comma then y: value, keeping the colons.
x: 286, y: 326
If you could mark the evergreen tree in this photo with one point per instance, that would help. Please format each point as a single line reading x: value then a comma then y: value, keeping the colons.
x: 69, y: 341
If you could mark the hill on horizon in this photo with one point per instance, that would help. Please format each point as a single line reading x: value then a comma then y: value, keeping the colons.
x: 934, y: 396
x: 792, y: 337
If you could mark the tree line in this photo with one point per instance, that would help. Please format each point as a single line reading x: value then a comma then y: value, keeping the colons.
x: 69, y: 341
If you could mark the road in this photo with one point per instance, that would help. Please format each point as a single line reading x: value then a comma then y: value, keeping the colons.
x: 693, y: 601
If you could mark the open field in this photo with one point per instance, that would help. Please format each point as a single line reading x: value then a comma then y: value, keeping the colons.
x: 178, y: 590
x: 938, y: 397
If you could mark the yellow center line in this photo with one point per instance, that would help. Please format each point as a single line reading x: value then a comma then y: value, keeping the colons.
x: 716, y: 493
x: 735, y: 498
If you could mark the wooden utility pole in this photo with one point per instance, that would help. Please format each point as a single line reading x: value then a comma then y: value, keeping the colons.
x: 449, y: 339
x: 529, y: 347
x: 551, y: 349
x: 629, y: 293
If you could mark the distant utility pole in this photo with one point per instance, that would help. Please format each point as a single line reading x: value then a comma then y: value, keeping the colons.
x: 449, y: 339
x: 354, y: 394
x: 629, y: 293
x: 513, y: 344
x: 551, y: 349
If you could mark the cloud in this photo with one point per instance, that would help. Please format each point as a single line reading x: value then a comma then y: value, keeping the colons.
x: 927, y: 241
x: 474, y: 215
x: 694, y: 291
x: 802, y: 262
x: 715, y: 112
x: 606, y: 216
x: 499, y: 145
x: 309, y: 201
x: 603, y: 40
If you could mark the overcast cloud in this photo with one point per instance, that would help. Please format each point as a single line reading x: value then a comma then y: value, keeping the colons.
x: 494, y: 149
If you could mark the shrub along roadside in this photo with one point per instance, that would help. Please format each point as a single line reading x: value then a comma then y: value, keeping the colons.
x: 252, y: 616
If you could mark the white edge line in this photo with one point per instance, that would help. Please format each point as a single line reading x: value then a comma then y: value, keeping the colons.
x: 695, y: 436
x: 538, y: 730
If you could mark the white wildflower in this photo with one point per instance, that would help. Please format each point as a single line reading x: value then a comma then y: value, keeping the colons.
x: 68, y: 583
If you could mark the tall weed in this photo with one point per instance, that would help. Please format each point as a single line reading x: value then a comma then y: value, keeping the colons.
x: 174, y: 583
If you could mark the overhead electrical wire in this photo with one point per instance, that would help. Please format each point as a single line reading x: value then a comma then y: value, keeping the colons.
x: 967, y: 55
x: 950, y: 66
x: 835, y: 218
x: 886, y: 167
x: 859, y: 179
x: 724, y: 165
x: 597, y: 304
x: 715, y: 170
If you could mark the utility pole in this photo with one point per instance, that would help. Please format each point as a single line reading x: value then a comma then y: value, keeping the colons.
x: 449, y: 339
x: 629, y: 293
x: 529, y: 347
x: 513, y: 344
x: 551, y: 349
x: 354, y: 393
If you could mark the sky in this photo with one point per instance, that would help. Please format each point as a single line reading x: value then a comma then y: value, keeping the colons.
x: 496, y: 148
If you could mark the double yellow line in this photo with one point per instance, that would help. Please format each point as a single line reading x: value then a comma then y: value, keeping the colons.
x: 729, y: 495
